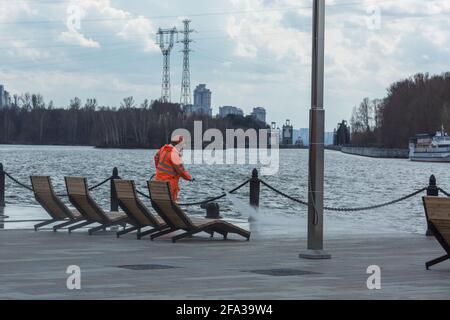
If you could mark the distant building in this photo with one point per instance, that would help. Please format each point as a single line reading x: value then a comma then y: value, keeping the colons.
x: 5, y: 98
x: 329, y: 138
x: 273, y: 126
x: 296, y: 135
x: 230, y: 110
x: 341, y: 134
x: 202, y: 100
x: 298, y: 140
x: 259, y: 114
x: 274, y: 131
x: 303, y: 134
x: 288, y: 134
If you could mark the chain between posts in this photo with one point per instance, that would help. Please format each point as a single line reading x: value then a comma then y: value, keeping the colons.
x: 29, y: 188
x: 18, y: 182
x: 101, y: 183
x: 305, y: 203
x: 216, y: 198
x: 204, y: 201
x: 444, y: 192
x: 254, y: 192
x: 114, y: 205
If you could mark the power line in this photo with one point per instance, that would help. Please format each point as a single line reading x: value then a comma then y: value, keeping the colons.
x: 287, y: 8
x: 307, y: 27
x: 218, y: 13
x: 102, y: 56
x: 102, y: 35
x: 79, y: 57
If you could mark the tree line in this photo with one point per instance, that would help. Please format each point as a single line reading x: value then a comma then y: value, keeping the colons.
x: 29, y: 120
x: 419, y: 104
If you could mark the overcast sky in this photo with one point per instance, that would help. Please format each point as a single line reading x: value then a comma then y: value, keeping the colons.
x: 249, y: 52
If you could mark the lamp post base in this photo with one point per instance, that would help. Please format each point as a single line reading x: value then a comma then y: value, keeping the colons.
x: 314, y: 255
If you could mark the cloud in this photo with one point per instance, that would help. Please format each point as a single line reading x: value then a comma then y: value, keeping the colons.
x: 119, y: 22
x: 54, y: 86
x: 76, y: 38
x: 17, y: 48
x: 11, y: 10
x: 411, y: 7
x: 141, y: 28
x: 257, y: 53
x: 262, y: 30
x: 353, y: 50
x: 360, y: 60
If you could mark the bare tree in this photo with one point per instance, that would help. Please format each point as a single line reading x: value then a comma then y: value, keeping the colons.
x: 75, y: 103
x: 128, y: 103
x: 25, y: 100
x: 90, y: 104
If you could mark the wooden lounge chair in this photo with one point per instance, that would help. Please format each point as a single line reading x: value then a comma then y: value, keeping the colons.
x: 138, y: 214
x: 437, y: 210
x: 176, y: 219
x: 79, y: 196
x: 47, y: 198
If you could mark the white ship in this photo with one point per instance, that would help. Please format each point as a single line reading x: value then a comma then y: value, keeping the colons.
x: 424, y: 147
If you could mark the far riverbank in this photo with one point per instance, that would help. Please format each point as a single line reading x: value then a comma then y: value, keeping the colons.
x: 375, y: 152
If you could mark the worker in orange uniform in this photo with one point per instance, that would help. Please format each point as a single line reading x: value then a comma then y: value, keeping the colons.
x: 169, y: 165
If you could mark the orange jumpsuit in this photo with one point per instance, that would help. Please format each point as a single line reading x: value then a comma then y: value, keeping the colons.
x: 169, y: 167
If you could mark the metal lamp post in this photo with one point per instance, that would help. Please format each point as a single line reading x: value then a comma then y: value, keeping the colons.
x: 316, y: 147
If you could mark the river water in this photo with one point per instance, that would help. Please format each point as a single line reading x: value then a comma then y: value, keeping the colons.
x: 350, y: 181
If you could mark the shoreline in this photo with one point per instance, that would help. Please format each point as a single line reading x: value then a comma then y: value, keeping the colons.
x: 135, y: 148
x: 369, y: 152
x: 381, y: 153
x: 372, y: 152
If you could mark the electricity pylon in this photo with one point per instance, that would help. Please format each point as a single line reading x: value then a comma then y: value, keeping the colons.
x: 166, y: 38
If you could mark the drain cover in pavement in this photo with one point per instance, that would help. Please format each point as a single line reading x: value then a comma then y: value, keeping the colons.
x: 282, y: 272
x: 146, y: 267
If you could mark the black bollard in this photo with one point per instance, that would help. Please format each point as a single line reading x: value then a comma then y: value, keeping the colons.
x: 432, y: 190
x: 114, y: 201
x: 2, y: 186
x: 212, y: 210
x: 254, y: 189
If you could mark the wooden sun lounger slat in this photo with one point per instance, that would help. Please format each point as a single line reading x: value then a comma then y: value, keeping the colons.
x: 47, y: 198
x: 79, y: 196
x: 177, y: 219
x: 139, y: 215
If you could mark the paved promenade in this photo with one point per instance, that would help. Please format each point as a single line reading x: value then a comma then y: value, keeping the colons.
x: 33, y: 266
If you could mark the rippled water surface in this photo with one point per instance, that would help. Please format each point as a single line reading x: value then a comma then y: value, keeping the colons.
x: 350, y: 181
